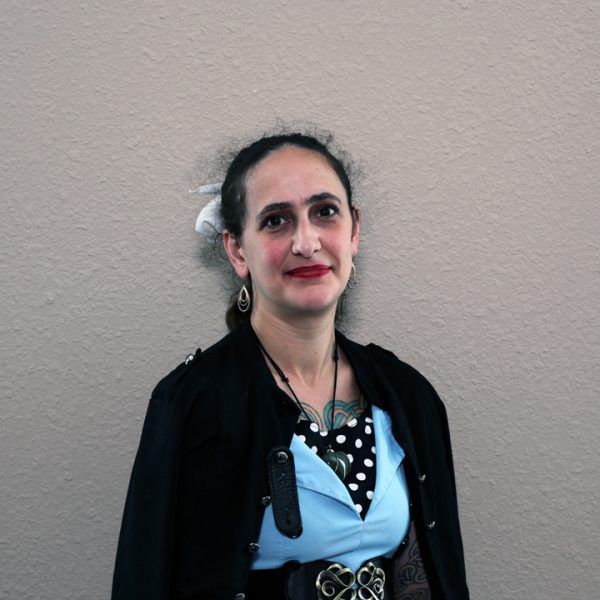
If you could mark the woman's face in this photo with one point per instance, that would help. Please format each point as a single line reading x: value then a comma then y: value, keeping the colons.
x: 299, y: 236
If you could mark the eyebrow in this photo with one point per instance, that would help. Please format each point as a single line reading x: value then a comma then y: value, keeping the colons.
x: 274, y: 206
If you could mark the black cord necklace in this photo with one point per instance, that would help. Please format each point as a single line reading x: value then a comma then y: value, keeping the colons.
x: 337, y: 460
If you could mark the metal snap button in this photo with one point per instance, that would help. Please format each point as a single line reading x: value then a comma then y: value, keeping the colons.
x: 239, y: 597
x: 253, y: 547
x: 189, y: 358
x: 281, y: 457
x: 422, y: 477
x: 265, y: 500
x: 430, y: 525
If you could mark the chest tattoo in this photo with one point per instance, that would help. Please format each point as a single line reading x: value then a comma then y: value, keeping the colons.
x: 344, y: 412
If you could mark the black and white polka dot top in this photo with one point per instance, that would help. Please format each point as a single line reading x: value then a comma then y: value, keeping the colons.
x: 357, y: 440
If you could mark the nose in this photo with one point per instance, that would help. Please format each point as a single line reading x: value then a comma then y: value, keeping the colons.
x: 306, y: 239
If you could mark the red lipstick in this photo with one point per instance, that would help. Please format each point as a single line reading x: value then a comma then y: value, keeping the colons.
x: 308, y: 272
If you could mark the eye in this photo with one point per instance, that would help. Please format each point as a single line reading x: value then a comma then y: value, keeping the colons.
x: 328, y: 210
x: 273, y: 221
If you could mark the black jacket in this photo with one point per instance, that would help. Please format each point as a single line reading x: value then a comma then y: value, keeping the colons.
x: 199, y: 483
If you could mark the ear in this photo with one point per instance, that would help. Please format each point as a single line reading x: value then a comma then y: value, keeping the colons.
x: 236, y: 254
x: 355, y: 230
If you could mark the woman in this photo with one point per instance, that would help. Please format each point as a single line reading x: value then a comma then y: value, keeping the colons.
x: 287, y: 461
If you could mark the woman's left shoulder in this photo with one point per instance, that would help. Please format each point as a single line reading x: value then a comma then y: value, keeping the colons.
x: 412, y: 386
x: 398, y: 369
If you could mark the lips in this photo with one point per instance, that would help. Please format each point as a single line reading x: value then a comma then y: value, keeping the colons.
x: 307, y: 272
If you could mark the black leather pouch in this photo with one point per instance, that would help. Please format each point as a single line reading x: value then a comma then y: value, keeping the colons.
x: 284, y: 492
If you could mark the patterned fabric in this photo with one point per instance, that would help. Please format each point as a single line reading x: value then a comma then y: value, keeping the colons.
x: 333, y: 529
x: 357, y: 440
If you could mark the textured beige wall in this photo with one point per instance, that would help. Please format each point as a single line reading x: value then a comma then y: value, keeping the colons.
x: 477, y: 126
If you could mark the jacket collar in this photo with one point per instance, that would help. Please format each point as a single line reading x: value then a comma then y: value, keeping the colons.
x: 376, y: 381
x: 381, y: 388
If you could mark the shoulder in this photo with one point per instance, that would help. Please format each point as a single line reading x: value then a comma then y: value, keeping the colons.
x: 169, y: 386
x: 193, y: 388
x: 397, y: 370
x: 195, y: 370
x: 408, y: 374
x: 411, y: 387
x: 184, y: 404
x: 389, y: 361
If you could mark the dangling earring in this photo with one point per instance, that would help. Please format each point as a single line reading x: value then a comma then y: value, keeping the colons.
x: 243, y: 300
x: 352, y: 280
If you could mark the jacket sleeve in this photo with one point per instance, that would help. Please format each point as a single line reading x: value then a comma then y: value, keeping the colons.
x: 144, y: 563
x: 433, y: 556
x: 458, y: 574
x: 446, y: 438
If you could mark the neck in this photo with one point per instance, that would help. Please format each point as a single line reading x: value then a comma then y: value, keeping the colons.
x: 302, y: 348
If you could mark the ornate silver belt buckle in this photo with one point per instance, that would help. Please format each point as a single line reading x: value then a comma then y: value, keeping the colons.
x: 371, y: 582
x: 336, y: 581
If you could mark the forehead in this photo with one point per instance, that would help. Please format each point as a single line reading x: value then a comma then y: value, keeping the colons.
x: 291, y: 174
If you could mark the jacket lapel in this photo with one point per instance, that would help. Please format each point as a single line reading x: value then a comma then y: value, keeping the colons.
x: 378, y: 388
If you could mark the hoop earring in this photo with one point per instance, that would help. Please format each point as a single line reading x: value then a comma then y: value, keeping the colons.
x: 352, y: 280
x: 243, y: 301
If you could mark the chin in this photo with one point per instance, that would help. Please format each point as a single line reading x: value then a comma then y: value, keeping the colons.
x: 314, y: 306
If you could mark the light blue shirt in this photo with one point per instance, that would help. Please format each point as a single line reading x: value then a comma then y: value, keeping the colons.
x: 332, y: 527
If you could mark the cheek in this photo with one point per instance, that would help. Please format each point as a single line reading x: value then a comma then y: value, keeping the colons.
x: 272, y: 255
x: 342, y: 246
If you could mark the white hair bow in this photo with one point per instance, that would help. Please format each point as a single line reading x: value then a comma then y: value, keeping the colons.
x: 209, y: 223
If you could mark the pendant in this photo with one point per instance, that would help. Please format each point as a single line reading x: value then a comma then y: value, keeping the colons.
x: 338, y: 462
